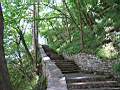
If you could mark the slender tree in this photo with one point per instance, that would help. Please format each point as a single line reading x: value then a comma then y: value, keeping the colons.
x: 80, y: 24
x: 35, y: 29
x: 4, y: 76
x: 34, y: 33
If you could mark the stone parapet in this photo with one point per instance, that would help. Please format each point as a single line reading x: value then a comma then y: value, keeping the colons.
x: 55, y: 78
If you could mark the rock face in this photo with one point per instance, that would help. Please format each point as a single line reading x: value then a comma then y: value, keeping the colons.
x: 92, y: 63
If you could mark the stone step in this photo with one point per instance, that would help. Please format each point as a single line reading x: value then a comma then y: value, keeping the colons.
x: 48, y: 49
x: 98, y: 84
x: 52, y: 54
x: 104, y: 88
x: 82, y: 74
x: 65, y: 63
x: 87, y: 78
x: 68, y: 66
x: 71, y: 71
x: 55, y: 58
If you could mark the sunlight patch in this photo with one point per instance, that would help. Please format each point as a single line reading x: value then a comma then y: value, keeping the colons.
x: 46, y: 58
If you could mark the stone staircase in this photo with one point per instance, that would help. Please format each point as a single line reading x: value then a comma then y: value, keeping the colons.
x: 81, y: 80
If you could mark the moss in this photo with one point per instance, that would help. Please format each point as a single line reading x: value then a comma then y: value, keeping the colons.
x: 116, y: 68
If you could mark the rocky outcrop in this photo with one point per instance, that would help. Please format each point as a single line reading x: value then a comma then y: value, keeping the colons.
x: 92, y: 63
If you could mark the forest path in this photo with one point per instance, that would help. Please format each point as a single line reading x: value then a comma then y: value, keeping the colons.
x: 80, y: 80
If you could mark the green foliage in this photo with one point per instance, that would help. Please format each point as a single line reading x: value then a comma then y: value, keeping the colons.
x: 116, y: 68
x: 22, y: 71
x: 63, y: 34
x: 21, y: 74
x: 61, y: 24
x: 107, y: 53
x: 41, y: 84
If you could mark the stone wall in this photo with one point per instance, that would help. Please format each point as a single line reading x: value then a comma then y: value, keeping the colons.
x: 55, y: 78
x: 91, y: 63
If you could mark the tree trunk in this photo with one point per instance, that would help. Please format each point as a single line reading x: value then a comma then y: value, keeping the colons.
x: 4, y: 76
x: 34, y: 34
x: 80, y: 25
x: 35, y: 29
x: 65, y: 22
